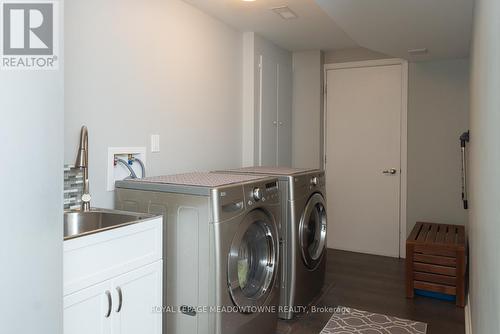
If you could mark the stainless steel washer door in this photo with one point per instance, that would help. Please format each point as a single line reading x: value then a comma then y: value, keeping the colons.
x: 312, y: 231
x: 253, y: 261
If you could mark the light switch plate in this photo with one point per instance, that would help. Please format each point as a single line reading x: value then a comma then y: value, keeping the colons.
x: 155, y: 143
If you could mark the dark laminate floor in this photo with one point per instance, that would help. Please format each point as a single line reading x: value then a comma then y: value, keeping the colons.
x: 375, y: 284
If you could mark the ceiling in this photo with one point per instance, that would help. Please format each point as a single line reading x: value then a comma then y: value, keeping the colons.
x: 312, y: 30
x: 391, y: 27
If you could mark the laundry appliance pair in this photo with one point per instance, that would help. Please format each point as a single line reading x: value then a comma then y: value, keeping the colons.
x: 231, y: 249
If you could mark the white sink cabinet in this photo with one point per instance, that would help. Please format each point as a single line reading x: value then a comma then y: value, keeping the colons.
x: 113, y: 281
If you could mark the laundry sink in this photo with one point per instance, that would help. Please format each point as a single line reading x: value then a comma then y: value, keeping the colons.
x: 80, y: 223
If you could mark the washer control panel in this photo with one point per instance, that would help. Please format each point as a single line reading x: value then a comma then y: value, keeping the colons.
x: 265, y: 192
x: 232, y: 200
x: 314, y: 181
x: 258, y: 194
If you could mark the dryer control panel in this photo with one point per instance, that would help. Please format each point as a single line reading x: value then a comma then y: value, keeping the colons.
x: 307, y: 183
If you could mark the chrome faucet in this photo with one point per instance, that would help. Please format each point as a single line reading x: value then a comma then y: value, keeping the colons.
x: 82, y: 162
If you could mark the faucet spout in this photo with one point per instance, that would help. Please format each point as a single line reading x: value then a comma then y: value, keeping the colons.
x: 82, y: 162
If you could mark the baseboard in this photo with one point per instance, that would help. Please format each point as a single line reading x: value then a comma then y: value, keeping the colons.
x: 361, y: 251
x: 468, y: 323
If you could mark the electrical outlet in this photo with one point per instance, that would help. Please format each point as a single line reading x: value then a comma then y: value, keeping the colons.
x: 155, y: 143
x: 119, y: 171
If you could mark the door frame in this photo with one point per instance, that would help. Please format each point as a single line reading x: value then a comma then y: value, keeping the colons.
x: 403, y: 130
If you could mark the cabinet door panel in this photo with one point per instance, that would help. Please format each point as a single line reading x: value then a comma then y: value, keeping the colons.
x: 285, y: 114
x: 141, y: 297
x: 268, y: 112
x: 85, y: 311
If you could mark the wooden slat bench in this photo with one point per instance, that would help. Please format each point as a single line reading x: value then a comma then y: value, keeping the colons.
x: 436, y: 260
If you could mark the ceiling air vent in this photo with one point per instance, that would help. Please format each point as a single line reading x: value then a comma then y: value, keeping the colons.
x: 285, y: 12
x: 418, y: 52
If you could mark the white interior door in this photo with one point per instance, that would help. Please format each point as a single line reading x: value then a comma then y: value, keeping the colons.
x: 363, y: 158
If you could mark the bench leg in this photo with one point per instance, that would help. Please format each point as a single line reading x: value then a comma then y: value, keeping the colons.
x: 460, y: 298
x: 409, y: 271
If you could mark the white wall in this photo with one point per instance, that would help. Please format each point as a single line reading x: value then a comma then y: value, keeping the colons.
x: 352, y: 54
x: 307, y: 109
x: 136, y: 68
x: 31, y: 237
x: 438, y: 105
x: 484, y: 226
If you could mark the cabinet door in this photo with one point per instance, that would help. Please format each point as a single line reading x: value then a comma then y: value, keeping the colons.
x: 268, y: 140
x: 285, y: 114
x: 89, y: 310
x: 275, y: 111
x: 137, y: 297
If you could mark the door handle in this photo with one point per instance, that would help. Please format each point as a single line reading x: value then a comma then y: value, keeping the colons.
x: 232, y: 207
x: 120, y: 299
x: 391, y: 171
x: 108, y: 313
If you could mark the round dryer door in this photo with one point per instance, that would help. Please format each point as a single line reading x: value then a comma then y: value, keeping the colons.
x: 312, y: 231
x: 253, y: 261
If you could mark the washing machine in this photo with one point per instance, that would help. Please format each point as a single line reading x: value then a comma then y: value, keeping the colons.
x: 221, y: 249
x: 303, y: 233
